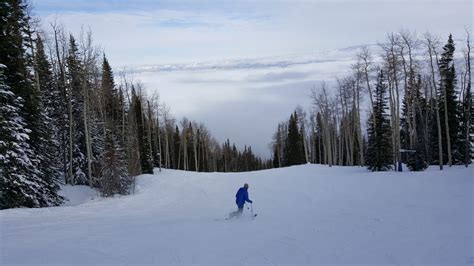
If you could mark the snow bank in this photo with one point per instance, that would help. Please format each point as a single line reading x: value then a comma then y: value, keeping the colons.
x: 307, y: 215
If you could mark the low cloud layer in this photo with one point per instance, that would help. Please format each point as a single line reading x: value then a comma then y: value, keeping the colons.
x: 244, y: 104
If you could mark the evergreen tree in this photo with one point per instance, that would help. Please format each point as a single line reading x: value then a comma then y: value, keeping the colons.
x: 275, y: 162
x: 176, y: 149
x: 76, y: 97
x: 146, y: 160
x: 110, y: 95
x: 114, y: 176
x: 319, y: 139
x: 202, y: 162
x: 448, y: 101
x: 50, y: 97
x: 190, y: 147
x: 379, y: 150
x: 47, y: 145
x: 17, y: 172
x: 466, y: 129
x: 28, y: 108
x: 21, y: 184
x: 414, y: 112
x: 294, y: 152
x: 13, y: 55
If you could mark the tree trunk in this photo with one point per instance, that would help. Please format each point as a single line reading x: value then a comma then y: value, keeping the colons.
x: 86, y: 130
x: 438, y: 120
x: 468, y: 111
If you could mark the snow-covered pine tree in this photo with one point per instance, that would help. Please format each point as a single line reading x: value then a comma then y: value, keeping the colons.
x: 50, y: 101
x: 379, y: 145
x: 78, y: 162
x: 17, y: 173
x: 21, y: 183
x: 15, y: 34
x: 114, y: 176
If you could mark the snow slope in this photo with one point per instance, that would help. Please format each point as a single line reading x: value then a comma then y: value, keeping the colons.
x: 307, y: 215
x: 76, y: 195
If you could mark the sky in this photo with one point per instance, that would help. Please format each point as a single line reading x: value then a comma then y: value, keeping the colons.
x: 243, y: 66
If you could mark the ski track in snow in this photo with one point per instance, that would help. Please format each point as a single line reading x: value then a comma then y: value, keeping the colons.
x: 307, y: 215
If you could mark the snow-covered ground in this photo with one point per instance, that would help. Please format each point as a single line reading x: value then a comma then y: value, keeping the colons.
x: 76, y: 195
x: 306, y: 215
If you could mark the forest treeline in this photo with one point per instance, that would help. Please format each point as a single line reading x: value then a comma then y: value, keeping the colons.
x: 420, y: 110
x: 65, y: 119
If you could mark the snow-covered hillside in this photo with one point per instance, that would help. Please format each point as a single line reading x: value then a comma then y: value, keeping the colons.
x: 306, y: 215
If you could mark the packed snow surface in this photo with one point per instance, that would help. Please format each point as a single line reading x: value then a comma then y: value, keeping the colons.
x: 76, y: 195
x: 307, y: 215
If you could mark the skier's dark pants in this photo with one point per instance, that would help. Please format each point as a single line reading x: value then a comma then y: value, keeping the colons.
x: 238, y: 212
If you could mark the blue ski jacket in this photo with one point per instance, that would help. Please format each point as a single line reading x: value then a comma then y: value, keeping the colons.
x: 241, y: 197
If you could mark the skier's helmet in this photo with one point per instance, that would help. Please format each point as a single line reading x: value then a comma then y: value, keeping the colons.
x: 246, y: 185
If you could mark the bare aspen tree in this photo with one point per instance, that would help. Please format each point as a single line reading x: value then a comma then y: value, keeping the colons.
x: 168, y: 133
x: 195, y: 129
x: 392, y: 104
x: 443, y: 91
x: 446, y: 124
x: 312, y: 140
x: 467, y: 86
x: 158, y: 128
x: 392, y: 64
x: 366, y: 60
x: 123, y: 109
x: 405, y: 42
x: 431, y: 42
x: 348, y: 120
x: 276, y: 146
x: 89, y: 57
x: 131, y: 141
x: 426, y: 121
x: 184, y: 142
x: 59, y: 37
x: 283, y: 127
x: 356, y: 94
x: 321, y: 103
x: 302, y: 125
x: 150, y: 126
x: 204, y: 140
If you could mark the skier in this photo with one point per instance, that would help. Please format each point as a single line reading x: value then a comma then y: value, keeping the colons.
x: 241, y: 197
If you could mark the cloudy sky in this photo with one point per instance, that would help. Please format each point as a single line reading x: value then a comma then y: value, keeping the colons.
x: 242, y: 66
